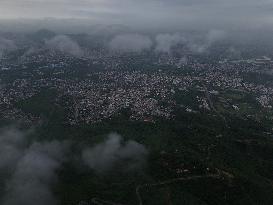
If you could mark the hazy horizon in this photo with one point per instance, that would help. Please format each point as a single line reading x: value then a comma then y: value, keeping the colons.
x: 196, y: 14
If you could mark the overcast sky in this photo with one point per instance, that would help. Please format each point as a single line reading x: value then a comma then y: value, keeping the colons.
x: 215, y: 13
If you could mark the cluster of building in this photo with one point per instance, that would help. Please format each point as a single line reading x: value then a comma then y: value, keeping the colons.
x: 144, y: 95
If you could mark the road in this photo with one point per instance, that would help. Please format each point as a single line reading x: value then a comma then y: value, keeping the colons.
x: 97, y: 201
x: 213, y: 107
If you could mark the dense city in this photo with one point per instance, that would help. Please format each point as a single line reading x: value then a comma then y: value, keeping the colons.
x: 104, y: 93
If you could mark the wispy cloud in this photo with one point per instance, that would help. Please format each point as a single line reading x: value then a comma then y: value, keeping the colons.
x: 104, y: 156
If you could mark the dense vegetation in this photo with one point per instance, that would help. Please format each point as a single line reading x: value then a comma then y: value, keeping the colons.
x: 198, y: 143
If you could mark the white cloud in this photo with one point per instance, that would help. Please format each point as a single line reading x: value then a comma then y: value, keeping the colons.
x: 64, y: 44
x: 6, y: 45
x: 106, y: 155
x: 30, y: 168
x: 130, y: 43
x: 164, y: 42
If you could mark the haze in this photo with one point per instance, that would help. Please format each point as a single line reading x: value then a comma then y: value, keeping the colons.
x: 201, y: 14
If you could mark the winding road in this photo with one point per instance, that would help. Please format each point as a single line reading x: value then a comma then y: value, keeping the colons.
x: 97, y: 201
x: 212, y: 105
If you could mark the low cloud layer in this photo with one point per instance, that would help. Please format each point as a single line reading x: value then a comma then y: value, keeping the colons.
x: 130, y: 43
x: 113, y: 151
x: 164, y: 42
x: 65, y: 45
x: 193, y: 43
x: 32, y: 167
x: 29, y: 168
x: 203, y: 45
x: 12, y: 145
x: 6, y: 45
